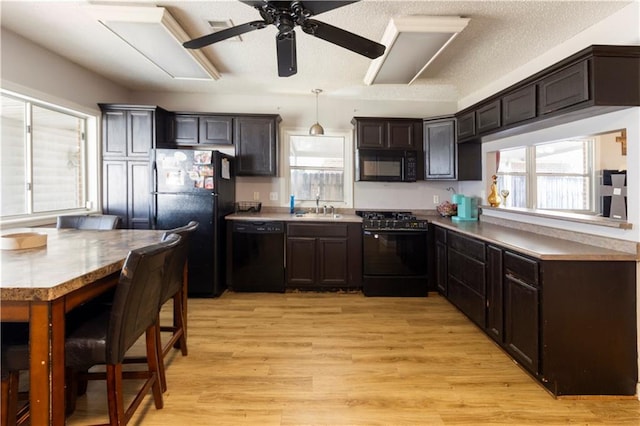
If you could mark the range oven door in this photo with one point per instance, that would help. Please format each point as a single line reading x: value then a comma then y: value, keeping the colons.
x: 395, y: 253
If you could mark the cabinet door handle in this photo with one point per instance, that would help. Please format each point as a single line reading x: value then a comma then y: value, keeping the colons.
x: 523, y: 283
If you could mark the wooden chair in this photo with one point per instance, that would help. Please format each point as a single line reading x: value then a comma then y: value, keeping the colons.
x: 99, y: 222
x: 106, y: 335
x: 177, y: 279
x: 15, y: 358
x: 174, y: 285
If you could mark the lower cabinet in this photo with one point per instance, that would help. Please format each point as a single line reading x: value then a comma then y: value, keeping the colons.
x: 126, y: 192
x: 466, y: 275
x: 570, y: 323
x: 323, y: 255
x: 521, y: 310
x: 495, y: 303
x: 441, y: 260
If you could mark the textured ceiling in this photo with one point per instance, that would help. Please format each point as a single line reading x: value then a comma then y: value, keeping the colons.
x: 501, y: 36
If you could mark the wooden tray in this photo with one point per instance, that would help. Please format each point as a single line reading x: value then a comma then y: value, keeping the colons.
x: 23, y: 240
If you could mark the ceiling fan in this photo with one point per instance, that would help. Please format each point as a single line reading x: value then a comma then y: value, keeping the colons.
x: 286, y: 15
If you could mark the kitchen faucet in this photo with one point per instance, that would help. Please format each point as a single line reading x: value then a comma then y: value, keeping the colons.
x: 318, y: 202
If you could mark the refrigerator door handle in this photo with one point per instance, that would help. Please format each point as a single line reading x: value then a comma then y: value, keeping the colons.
x: 154, y: 194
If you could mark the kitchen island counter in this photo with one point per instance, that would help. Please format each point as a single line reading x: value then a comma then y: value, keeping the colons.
x: 535, y: 245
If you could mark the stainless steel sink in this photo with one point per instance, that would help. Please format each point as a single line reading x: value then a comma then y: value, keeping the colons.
x: 317, y: 216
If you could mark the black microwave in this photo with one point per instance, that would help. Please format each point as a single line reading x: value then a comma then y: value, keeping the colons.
x: 386, y: 166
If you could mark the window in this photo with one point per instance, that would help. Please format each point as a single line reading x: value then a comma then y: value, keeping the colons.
x: 43, y: 155
x: 551, y: 176
x: 317, y: 168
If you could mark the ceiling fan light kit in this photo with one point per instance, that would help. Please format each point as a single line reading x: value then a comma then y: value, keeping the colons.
x: 413, y: 43
x: 316, y: 129
x: 285, y: 16
x: 156, y: 35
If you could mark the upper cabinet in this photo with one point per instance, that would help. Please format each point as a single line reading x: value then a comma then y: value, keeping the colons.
x: 440, y: 149
x: 256, y: 141
x: 255, y: 138
x: 388, y: 133
x: 191, y: 129
x: 520, y: 105
x: 595, y: 80
x: 131, y: 130
x: 564, y: 88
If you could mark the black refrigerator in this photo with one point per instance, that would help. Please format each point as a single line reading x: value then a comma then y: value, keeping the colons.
x: 193, y: 184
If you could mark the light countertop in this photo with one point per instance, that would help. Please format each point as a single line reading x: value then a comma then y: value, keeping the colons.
x: 535, y: 245
x: 71, y: 259
x: 287, y: 217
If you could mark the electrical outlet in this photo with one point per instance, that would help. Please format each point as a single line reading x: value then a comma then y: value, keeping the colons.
x: 273, y: 196
x: 436, y: 199
x: 256, y: 196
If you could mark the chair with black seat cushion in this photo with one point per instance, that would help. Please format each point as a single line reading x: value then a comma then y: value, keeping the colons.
x: 15, y: 358
x: 177, y: 277
x: 175, y: 282
x: 109, y: 332
x: 84, y: 221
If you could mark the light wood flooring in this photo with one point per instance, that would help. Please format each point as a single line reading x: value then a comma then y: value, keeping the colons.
x: 345, y: 359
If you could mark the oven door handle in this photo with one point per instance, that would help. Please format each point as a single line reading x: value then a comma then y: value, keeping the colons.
x: 377, y: 233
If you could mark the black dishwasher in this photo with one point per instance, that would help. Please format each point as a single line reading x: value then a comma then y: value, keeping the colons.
x: 257, y: 258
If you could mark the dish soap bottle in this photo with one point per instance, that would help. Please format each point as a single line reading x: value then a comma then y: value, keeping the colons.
x: 292, y: 202
x: 494, y: 198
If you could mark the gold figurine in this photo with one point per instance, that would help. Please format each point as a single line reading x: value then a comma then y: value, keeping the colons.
x: 494, y: 199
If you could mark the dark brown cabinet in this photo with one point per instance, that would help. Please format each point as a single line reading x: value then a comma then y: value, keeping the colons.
x: 519, y: 105
x: 596, y: 80
x: 323, y: 256
x: 521, y: 309
x: 439, y: 149
x: 441, y: 260
x: 466, y: 276
x: 126, y: 192
x: 495, y: 317
x: 564, y: 88
x: 567, y: 322
x: 488, y: 117
x: 129, y: 132
x: 256, y: 142
x: 189, y: 129
x: 388, y: 133
x: 466, y: 125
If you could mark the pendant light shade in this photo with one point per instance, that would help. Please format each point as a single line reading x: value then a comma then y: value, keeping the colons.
x: 316, y: 129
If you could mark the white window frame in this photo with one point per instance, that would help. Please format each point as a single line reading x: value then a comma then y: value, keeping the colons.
x: 90, y: 170
x: 347, y: 136
x: 531, y: 176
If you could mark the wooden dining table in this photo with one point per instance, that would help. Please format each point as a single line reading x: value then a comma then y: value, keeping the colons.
x: 40, y: 285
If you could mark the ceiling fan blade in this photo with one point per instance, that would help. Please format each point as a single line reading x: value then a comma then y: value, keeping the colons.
x: 197, y: 43
x: 343, y: 38
x: 286, y: 51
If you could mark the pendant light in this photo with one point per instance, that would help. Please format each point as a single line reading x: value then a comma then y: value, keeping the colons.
x: 316, y: 129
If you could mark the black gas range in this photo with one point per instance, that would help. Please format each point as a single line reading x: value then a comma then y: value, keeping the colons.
x: 401, y: 220
x: 395, y: 254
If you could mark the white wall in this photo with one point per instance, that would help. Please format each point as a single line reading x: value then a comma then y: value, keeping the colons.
x: 31, y: 70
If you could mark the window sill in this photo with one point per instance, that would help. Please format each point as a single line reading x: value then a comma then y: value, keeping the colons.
x: 571, y: 217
